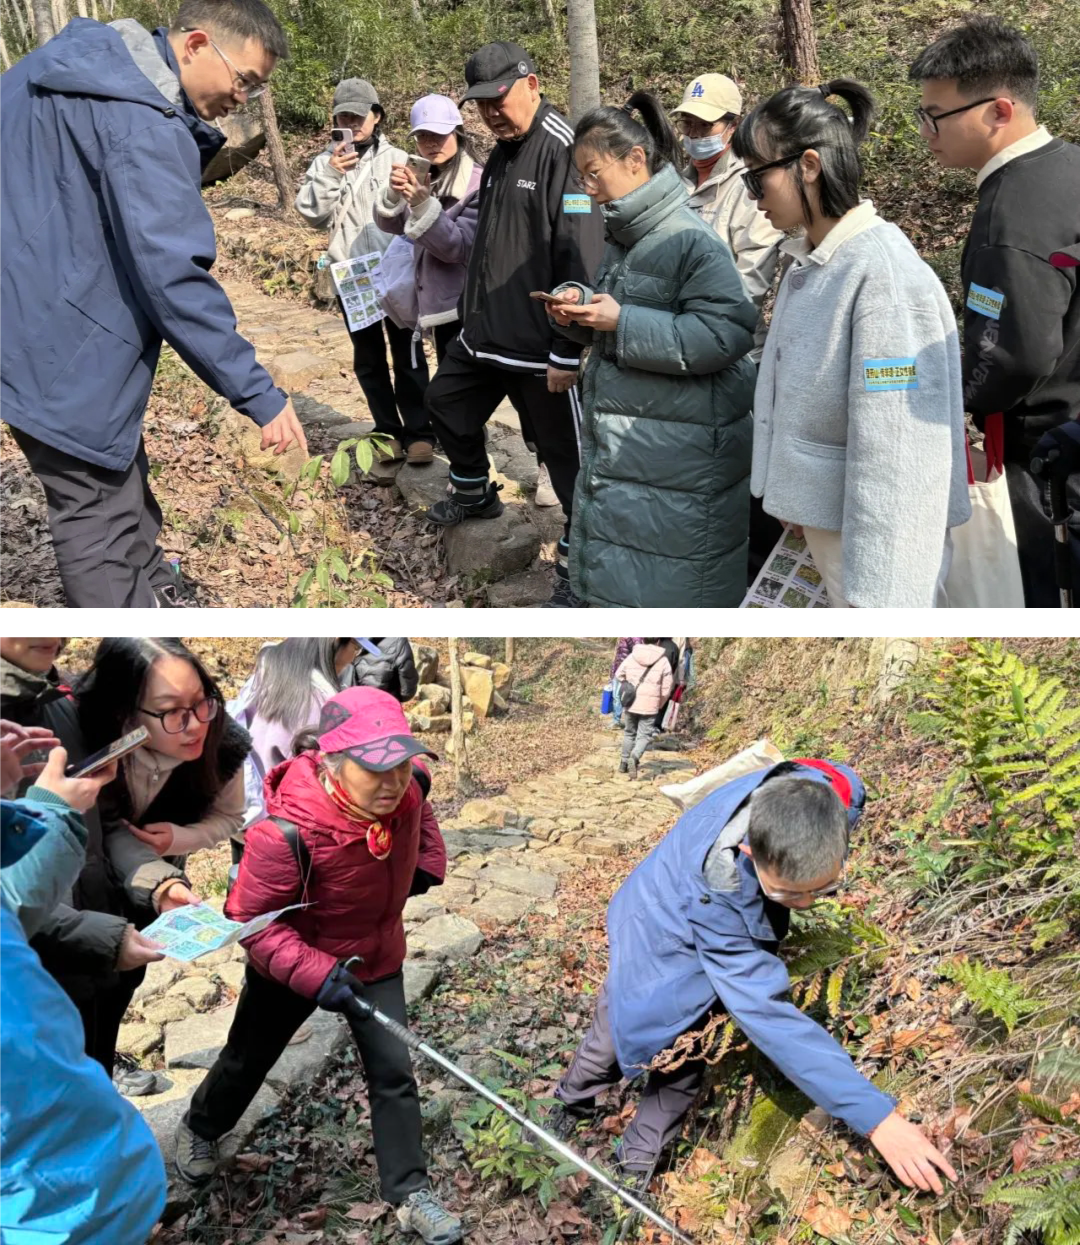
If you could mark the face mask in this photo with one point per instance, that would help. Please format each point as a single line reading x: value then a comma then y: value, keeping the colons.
x: 705, y: 148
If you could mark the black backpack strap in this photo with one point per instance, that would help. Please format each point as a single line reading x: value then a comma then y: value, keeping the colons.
x: 291, y: 833
x: 423, y: 778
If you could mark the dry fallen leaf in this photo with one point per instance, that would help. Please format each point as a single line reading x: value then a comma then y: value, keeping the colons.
x: 828, y: 1220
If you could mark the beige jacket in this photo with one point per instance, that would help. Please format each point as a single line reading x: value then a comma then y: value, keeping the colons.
x: 649, y: 670
x: 723, y: 204
x: 146, y: 773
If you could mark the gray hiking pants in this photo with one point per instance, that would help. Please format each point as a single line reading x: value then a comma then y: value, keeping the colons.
x: 639, y: 730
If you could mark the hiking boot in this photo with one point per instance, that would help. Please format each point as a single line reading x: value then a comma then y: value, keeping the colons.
x: 137, y: 1082
x: 631, y: 769
x: 389, y: 451
x: 545, y: 494
x: 564, y: 597
x: 178, y: 594
x: 196, y: 1158
x: 624, y: 767
x: 420, y: 453
x: 565, y: 1119
x: 424, y: 1214
x: 461, y: 506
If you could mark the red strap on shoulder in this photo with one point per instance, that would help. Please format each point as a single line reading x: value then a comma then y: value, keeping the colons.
x: 994, y: 442
x: 839, y: 782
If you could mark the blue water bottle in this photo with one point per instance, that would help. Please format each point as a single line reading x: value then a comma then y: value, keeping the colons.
x: 606, y: 700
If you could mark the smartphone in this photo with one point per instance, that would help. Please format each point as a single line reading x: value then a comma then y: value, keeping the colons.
x: 341, y: 136
x: 543, y: 297
x: 419, y: 166
x: 125, y: 744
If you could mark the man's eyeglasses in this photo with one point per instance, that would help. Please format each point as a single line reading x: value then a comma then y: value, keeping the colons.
x: 930, y: 120
x: 780, y: 896
x: 243, y: 84
x: 176, y: 721
x: 752, y: 177
x: 591, y: 181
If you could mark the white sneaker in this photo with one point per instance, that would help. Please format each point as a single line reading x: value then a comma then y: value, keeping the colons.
x: 545, y: 494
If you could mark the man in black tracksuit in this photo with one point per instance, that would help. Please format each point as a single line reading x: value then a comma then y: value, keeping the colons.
x: 1019, y: 269
x: 535, y: 230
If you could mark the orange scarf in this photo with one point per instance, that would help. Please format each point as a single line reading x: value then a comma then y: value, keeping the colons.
x: 380, y: 841
x: 704, y: 168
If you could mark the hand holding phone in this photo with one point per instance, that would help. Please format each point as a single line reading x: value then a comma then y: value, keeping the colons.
x: 341, y: 137
x: 81, y: 793
x: 419, y: 166
x: 542, y: 296
x: 99, y: 760
x: 344, y: 157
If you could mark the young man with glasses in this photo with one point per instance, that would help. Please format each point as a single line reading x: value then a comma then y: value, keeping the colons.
x: 694, y: 930
x: 1021, y: 367
x: 107, y: 253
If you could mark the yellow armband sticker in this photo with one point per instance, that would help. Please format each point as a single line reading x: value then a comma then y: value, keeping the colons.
x: 881, y: 375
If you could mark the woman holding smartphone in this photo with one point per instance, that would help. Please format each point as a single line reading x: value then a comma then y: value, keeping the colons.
x: 436, y: 210
x: 339, y: 193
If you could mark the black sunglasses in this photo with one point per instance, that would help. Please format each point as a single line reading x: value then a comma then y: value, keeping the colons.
x: 931, y: 119
x: 752, y: 177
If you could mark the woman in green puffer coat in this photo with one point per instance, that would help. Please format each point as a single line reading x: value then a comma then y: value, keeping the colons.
x: 662, y: 504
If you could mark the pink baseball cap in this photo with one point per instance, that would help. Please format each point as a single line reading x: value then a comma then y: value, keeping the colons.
x: 436, y: 113
x: 370, y: 727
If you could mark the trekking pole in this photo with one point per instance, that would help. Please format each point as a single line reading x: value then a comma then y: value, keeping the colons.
x: 1059, y: 517
x: 365, y: 1010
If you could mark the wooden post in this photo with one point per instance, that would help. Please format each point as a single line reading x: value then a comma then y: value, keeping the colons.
x: 584, y: 57
x: 800, y: 43
x: 461, y: 759
x: 276, y: 151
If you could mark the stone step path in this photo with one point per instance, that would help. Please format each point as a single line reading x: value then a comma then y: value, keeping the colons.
x: 506, y: 856
x: 309, y: 353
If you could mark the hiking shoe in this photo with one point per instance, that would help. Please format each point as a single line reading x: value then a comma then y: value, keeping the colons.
x: 565, y: 1119
x: 631, y: 769
x: 196, y: 1158
x: 137, y: 1082
x: 545, y: 494
x: 564, y: 597
x: 624, y: 767
x: 461, y: 506
x: 389, y: 451
x: 424, y: 1214
x: 178, y: 594
x: 420, y: 453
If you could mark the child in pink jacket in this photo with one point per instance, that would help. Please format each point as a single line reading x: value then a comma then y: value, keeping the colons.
x: 648, y: 671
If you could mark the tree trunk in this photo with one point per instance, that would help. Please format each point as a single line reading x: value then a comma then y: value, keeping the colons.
x: 461, y: 759
x: 43, y: 21
x: 584, y: 57
x: 80, y: 8
x: 418, y: 17
x: 59, y: 14
x: 509, y: 651
x: 5, y: 59
x: 549, y: 15
x: 800, y: 43
x: 277, y: 152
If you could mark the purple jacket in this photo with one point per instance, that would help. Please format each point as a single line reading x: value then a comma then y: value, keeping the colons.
x: 442, y: 232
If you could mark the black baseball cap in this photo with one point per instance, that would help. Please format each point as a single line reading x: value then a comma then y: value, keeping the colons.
x: 494, y: 69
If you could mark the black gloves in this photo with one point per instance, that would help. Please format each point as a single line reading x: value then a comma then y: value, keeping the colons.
x: 1065, y: 440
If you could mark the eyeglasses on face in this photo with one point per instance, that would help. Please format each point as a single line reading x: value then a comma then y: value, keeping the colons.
x: 591, y: 181
x: 243, y: 83
x: 930, y: 120
x: 782, y: 896
x: 176, y: 721
x: 752, y: 177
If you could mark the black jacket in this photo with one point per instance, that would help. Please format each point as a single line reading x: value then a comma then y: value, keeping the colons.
x: 393, y: 672
x: 81, y: 941
x: 1022, y: 323
x: 535, y: 230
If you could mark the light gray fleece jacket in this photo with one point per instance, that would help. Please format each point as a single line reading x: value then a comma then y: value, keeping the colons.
x: 858, y: 412
x: 344, y: 202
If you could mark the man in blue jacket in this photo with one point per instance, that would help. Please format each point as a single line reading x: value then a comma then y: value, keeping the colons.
x: 695, y: 928
x: 106, y: 250
x: 79, y: 1164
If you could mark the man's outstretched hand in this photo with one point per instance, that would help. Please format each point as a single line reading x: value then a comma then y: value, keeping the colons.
x: 283, y: 430
x: 911, y: 1154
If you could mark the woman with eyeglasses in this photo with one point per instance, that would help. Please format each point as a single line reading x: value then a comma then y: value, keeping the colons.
x: 661, y: 509
x: 858, y: 414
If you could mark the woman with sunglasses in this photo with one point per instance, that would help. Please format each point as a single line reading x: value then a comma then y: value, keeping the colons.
x: 661, y: 509
x: 858, y: 414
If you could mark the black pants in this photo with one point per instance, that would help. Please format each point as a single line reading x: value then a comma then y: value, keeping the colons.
x: 443, y: 335
x: 463, y: 397
x: 765, y: 531
x: 104, y: 526
x: 1030, y: 498
x: 267, y: 1016
x: 396, y: 405
x: 102, y: 1014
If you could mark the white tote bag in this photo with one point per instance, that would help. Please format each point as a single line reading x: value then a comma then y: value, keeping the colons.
x: 985, y: 571
x: 761, y: 754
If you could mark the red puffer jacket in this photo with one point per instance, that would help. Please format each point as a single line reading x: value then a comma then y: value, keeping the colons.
x: 357, y: 900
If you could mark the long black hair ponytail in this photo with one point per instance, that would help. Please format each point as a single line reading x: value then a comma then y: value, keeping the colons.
x: 801, y: 117
x: 614, y: 131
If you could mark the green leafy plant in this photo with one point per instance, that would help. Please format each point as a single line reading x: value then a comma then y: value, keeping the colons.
x: 1047, y: 1201
x: 992, y: 990
x: 831, y: 947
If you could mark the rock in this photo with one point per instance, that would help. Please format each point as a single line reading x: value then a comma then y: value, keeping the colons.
x: 499, y: 704
x: 318, y: 414
x: 441, y: 724
x: 772, y: 1119
x: 503, y: 906
x: 420, y: 980
x: 503, y: 676
x: 602, y: 847
x: 200, y: 992
x: 196, y: 1043
x: 159, y: 977
x: 447, y: 937
x: 242, y: 437
x: 212, y: 959
x: 298, y: 369
x: 436, y: 696
x: 423, y: 907
x: 468, y: 722
x: 491, y: 549
x: 491, y: 812
x: 167, y: 1010
x: 427, y: 663
x: 244, y: 139
x: 791, y: 1172
x: 480, y: 688
x: 138, y: 1038
x: 239, y: 213
x: 543, y: 828
x: 301, y: 1063
x: 478, y: 659
x: 524, y: 590
x: 522, y: 881
x: 232, y: 974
